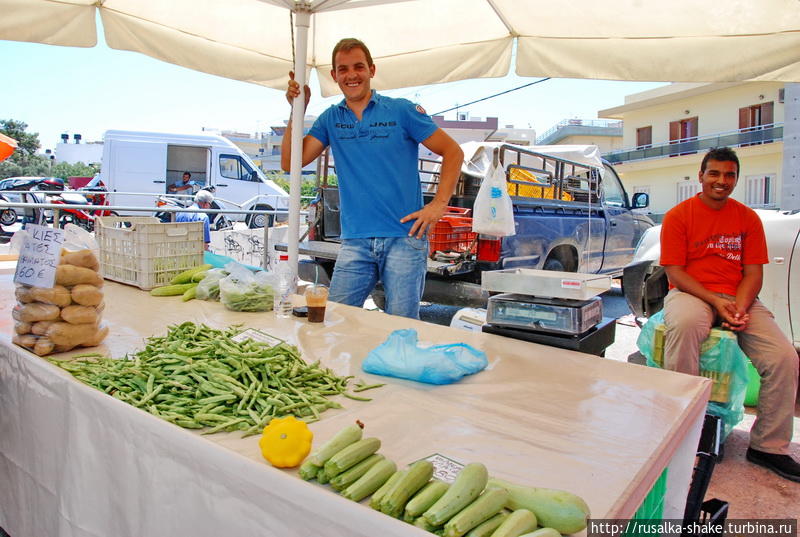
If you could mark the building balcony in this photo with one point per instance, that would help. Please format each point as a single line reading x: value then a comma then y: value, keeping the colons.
x: 580, y: 127
x: 763, y: 134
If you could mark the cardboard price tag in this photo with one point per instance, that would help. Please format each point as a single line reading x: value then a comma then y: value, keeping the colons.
x: 39, y: 256
x: 444, y: 468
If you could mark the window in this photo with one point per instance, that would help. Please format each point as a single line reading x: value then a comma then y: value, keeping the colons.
x: 234, y: 167
x: 683, y: 133
x: 760, y: 190
x: 687, y: 189
x: 755, y: 118
x: 644, y: 137
x: 613, y: 195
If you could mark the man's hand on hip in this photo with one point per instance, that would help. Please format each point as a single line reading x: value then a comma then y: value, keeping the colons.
x: 426, y: 218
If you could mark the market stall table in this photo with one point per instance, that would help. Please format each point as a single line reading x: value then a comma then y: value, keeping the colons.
x: 74, y: 461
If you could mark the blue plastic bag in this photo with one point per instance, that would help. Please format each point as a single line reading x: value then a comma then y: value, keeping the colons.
x: 399, y: 356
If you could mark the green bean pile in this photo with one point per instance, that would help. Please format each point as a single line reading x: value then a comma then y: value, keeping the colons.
x: 197, y: 376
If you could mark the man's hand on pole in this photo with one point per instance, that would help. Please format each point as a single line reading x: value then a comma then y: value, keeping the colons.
x: 293, y: 90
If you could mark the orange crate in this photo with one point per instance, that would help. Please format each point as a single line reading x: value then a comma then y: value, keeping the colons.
x: 452, y: 234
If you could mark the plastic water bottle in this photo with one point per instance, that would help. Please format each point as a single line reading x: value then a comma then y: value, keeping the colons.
x: 285, y: 287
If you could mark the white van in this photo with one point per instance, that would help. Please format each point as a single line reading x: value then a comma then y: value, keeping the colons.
x: 150, y: 162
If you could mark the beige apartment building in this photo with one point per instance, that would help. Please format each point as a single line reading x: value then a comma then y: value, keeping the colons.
x: 667, y: 130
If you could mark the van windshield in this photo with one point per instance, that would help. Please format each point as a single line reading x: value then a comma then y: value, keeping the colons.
x: 235, y: 167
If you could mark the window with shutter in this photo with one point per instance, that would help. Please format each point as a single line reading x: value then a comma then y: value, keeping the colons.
x: 756, y: 118
x: 760, y: 190
x: 644, y: 137
x: 683, y: 133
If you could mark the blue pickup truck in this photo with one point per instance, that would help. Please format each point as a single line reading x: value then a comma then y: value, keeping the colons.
x: 571, y: 214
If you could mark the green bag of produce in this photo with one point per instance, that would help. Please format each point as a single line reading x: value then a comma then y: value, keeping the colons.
x: 721, y: 360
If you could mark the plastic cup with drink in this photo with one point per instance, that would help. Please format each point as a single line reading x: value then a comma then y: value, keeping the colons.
x: 316, y: 298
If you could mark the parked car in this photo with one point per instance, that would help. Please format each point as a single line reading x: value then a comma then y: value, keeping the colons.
x: 571, y: 214
x: 645, y: 283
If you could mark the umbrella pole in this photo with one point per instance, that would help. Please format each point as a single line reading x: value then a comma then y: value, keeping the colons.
x: 302, y: 21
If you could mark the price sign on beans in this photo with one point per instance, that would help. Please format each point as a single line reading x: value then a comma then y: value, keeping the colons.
x: 39, y: 256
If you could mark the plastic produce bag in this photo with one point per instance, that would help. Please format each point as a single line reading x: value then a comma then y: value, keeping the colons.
x: 721, y: 360
x: 208, y: 288
x: 245, y: 290
x: 400, y: 356
x: 493, y: 212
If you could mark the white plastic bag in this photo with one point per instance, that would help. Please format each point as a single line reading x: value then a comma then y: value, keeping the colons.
x: 493, y: 212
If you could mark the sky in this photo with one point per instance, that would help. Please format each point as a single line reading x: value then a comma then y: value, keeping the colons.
x: 69, y: 90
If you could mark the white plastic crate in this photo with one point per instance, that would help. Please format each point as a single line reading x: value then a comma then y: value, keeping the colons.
x: 142, y: 251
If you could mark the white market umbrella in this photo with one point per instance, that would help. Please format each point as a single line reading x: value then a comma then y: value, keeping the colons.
x: 418, y: 42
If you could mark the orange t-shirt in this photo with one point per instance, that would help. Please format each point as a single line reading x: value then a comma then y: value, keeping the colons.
x: 713, y: 245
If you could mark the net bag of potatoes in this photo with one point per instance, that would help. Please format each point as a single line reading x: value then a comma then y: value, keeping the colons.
x: 67, y: 315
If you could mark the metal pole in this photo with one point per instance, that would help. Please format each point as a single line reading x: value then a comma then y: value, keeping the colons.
x: 265, y: 250
x: 302, y: 22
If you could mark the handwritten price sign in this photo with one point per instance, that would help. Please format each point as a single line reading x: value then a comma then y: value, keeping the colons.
x: 444, y: 468
x: 39, y: 256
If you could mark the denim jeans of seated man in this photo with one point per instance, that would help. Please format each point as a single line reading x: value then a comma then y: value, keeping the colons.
x: 400, y: 263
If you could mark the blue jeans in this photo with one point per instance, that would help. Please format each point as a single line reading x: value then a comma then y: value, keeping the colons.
x: 399, y: 262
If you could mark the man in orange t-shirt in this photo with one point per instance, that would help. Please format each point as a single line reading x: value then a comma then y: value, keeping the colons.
x: 713, y: 249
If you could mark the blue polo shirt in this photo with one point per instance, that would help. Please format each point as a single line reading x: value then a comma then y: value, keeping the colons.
x: 376, y: 163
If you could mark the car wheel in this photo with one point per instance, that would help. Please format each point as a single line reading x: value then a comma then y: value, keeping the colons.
x: 258, y: 220
x: 8, y: 217
x: 554, y: 264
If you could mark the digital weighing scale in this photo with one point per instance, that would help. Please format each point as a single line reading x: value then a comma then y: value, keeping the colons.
x: 561, y: 309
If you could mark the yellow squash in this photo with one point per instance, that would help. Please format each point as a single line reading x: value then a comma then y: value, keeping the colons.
x: 285, y: 442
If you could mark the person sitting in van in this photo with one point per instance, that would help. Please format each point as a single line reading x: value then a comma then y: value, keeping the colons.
x: 202, y: 200
x: 185, y: 184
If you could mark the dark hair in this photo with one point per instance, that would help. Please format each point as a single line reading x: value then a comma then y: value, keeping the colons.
x: 187, y: 173
x: 346, y: 45
x: 720, y: 154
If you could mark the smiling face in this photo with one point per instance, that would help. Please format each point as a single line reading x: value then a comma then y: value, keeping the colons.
x: 718, y: 181
x: 352, y: 73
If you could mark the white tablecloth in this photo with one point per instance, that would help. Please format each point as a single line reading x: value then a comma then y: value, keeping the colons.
x: 76, y: 462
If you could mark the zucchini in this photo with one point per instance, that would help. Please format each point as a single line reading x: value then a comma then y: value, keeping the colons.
x: 488, y: 504
x: 190, y: 293
x: 469, y: 483
x: 172, y: 290
x: 308, y: 470
x: 186, y: 275
x: 517, y: 523
x: 375, y: 501
x: 543, y: 532
x: 380, y: 473
x: 344, y: 479
x: 487, y: 528
x: 418, y: 474
x: 563, y: 511
x: 351, y: 455
x: 322, y: 476
x: 424, y: 499
x: 423, y: 523
x: 340, y: 440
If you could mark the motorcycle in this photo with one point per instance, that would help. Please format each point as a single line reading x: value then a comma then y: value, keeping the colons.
x: 217, y: 221
x: 96, y: 193
x: 55, y: 193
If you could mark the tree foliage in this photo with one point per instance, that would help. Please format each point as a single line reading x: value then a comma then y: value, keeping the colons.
x: 25, y: 162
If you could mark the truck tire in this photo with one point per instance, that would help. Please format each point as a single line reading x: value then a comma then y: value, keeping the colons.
x: 257, y: 220
x: 379, y: 299
x: 554, y: 264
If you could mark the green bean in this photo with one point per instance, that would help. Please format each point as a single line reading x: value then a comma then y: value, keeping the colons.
x: 197, y: 376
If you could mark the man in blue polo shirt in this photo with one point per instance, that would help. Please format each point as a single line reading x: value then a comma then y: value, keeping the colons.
x: 375, y: 142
